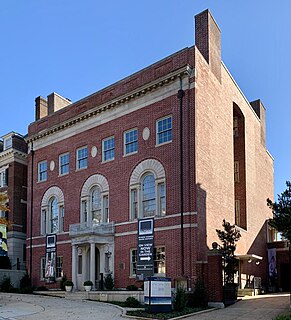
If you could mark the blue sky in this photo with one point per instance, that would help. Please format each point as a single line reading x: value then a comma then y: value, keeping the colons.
x: 78, y: 47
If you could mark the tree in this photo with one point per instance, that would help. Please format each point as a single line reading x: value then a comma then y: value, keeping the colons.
x: 228, y: 237
x: 3, y: 201
x: 282, y: 212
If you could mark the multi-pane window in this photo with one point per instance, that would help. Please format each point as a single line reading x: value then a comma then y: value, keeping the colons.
x: 235, y: 126
x: 7, y: 143
x: 236, y: 171
x: 59, y: 267
x: 148, y: 196
x: 162, y: 198
x: 64, y: 161
x: 82, y: 158
x: 130, y: 141
x: 164, y: 130
x: 43, y: 222
x: 237, y: 212
x: 42, y: 171
x: 133, y: 204
x: 85, y: 211
x: 54, y: 215
x: 159, y: 261
x: 105, y: 209
x: 96, y: 205
x: 108, y: 149
x: 3, y: 178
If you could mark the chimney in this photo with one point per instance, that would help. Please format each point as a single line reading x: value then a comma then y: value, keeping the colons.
x: 260, y: 110
x: 207, y: 40
x: 40, y: 108
x: 56, y: 102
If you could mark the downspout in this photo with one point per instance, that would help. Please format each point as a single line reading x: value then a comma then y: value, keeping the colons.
x: 180, y: 96
x: 31, y: 211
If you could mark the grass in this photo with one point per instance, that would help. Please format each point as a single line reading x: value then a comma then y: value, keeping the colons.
x: 169, y: 315
x: 284, y: 317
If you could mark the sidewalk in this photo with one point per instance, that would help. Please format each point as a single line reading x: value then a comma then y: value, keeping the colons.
x: 262, y: 307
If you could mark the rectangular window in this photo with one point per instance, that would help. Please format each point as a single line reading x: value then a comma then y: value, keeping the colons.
x: 82, y: 158
x: 130, y: 141
x: 59, y: 267
x: 62, y: 219
x: 164, y: 130
x: 4, y: 178
x: 108, y: 148
x: 162, y: 199
x: 85, y: 211
x: 42, y: 268
x: 2, y: 214
x: 64, y: 161
x: 133, y: 204
x: 236, y: 171
x: 105, y: 209
x: 159, y: 261
x: 42, y: 171
x: 237, y: 212
x: 7, y: 143
x: 43, y: 222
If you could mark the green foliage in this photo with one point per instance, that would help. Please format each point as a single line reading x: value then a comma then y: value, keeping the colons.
x: 88, y: 283
x: 62, y: 283
x: 132, y: 287
x: 228, y: 237
x: 5, y: 285
x: 68, y: 283
x: 282, y: 212
x: 180, y: 299
x: 131, y: 302
x: 25, y: 281
x: 199, y: 297
x: 109, y: 282
x: 284, y: 317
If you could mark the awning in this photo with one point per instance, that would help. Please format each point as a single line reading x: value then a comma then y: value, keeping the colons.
x: 249, y: 257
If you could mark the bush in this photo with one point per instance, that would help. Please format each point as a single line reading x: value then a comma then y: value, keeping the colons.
x: 88, y: 283
x: 108, y: 282
x: 198, y: 299
x: 25, y: 281
x: 63, y: 280
x: 6, y: 285
x: 131, y: 302
x: 180, y: 300
x: 132, y: 287
x: 68, y: 283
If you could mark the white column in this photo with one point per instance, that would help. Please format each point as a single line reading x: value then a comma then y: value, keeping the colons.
x: 84, y: 265
x: 92, y: 264
x: 74, y: 265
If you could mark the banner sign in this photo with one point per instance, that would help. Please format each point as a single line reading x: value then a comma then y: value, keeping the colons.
x: 145, y: 248
x: 3, y: 240
x: 50, y: 258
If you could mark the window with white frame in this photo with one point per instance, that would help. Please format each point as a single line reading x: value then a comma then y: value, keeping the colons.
x: 164, y: 130
x: 159, y: 261
x: 95, y: 200
x: 130, y: 141
x: 52, y: 211
x: 42, y: 171
x: 108, y: 149
x: 3, y: 177
x: 64, y: 162
x: 59, y: 267
x: 147, y: 194
x: 82, y: 158
x: 7, y: 143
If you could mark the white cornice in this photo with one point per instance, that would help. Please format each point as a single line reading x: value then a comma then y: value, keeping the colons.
x: 12, y: 155
x: 155, y: 88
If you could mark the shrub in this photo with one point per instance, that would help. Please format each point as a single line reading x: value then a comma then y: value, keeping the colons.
x: 88, y: 283
x: 198, y: 298
x: 131, y: 302
x: 108, y: 282
x: 6, y: 285
x: 68, y: 283
x: 180, y: 300
x: 132, y: 287
x: 63, y: 280
x: 25, y: 281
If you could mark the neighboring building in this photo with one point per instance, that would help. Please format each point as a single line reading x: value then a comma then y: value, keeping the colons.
x: 13, y: 181
x: 177, y: 141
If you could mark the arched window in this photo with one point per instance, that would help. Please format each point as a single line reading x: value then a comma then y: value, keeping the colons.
x: 52, y: 211
x: 147, y: 190
x: 95, y: 200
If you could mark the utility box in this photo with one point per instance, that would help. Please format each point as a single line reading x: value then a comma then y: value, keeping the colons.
x: 157, y: 294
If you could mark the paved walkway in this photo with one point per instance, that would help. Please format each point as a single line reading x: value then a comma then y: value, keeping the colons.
x: 262, y: 307
x: 33, y: 307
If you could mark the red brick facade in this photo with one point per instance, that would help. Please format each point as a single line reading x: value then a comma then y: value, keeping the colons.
x: 201, y: 187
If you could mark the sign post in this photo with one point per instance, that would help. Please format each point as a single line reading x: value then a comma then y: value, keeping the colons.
x: 145, y: 248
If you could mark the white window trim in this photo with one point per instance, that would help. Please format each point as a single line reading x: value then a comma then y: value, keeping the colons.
x: 61, y: 155
x: 38, y: 171
x: 157, y: 133
x: 8, y: 141
x: 125, y: 154
x: 77, y: 159
x: 103, y: 151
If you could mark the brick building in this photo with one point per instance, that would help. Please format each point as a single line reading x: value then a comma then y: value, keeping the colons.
x: 13, y: 182
x: 177, y: 141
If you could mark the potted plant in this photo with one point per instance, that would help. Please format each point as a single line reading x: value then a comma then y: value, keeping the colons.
x: 228, y: 237
x: 88, y: 285
x: 68, y: 285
